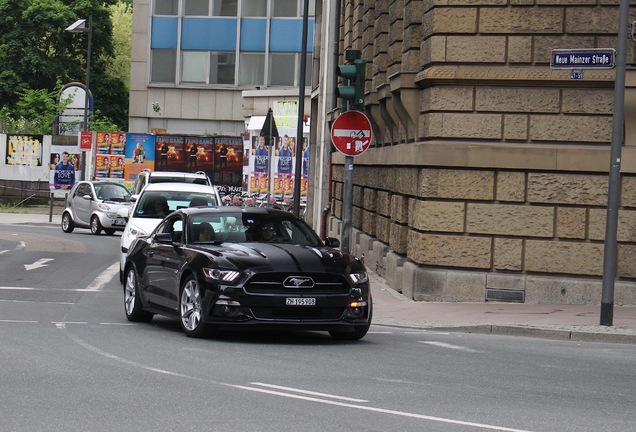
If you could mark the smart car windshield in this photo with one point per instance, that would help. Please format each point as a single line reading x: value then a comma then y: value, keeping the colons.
x: 250, y: 227
x: 112, y: 192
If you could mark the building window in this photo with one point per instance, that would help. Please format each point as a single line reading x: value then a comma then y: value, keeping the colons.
x: 166, y: 7
x: 222, y: 67
x: 284, y: 8
x: 224, y: 7
x: 202, y: 7
x: 193, y: 66
x: 196, y: 7
x: 284, y: 69
x: 163, y: 65
x: 254, y: 8
x: 252, y: 69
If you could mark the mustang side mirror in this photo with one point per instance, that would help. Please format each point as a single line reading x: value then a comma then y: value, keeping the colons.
x: 332, y: 242
x: 163, y: 238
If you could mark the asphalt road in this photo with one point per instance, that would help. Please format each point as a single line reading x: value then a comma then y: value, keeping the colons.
x: 72, y: 362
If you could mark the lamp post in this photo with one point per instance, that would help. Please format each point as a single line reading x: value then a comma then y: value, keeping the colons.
x: 80, y: 26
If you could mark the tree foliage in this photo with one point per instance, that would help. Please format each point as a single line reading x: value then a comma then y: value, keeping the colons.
x: 37, y: 54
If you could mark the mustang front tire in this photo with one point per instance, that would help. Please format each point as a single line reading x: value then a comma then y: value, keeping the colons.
x: 190, y: 309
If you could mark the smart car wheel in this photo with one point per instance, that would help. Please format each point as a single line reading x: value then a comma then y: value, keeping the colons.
x: 96, y: 225
x: 67, y: 223
x: 190, y: 310
x: 132, y: 302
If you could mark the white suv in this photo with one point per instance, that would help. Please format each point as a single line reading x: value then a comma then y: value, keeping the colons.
x: 154, y: 203
x: 147, y: 177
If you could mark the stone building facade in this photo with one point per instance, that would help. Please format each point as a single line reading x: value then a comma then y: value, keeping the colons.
x: 487, y: 178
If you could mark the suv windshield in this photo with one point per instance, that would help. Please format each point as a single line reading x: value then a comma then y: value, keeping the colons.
x: 160, y: 203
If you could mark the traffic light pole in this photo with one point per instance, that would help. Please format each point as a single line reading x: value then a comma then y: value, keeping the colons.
x: 351, y: 96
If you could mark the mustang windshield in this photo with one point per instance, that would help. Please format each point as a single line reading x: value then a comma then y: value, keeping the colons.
x: 249, y: 227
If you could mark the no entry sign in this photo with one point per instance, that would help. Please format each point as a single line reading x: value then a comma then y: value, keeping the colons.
x: 351, y: 133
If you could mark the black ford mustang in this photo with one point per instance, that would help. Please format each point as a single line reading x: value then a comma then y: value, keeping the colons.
x: 231, y: 266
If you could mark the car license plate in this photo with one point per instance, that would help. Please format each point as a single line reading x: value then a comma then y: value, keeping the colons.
x: 119, y: 222
x: 293, y: 301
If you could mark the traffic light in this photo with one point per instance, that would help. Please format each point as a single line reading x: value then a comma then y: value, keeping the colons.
x: 352, y: 90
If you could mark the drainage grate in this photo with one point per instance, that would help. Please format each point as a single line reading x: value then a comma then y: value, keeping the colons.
x: 505, y: 296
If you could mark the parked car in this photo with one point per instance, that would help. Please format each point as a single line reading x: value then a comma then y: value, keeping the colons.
x: 143, y: 217
x: 147, y: 177
x: 255, y: 267
x: 94, y: 204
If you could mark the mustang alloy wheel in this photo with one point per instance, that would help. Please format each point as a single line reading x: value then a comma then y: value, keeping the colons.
x: 67, y: 223
x: 190, y: 311
x: 132, y: 302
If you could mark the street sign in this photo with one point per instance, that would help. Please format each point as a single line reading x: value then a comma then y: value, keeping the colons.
x: 351, y: 133
x: 591, y: 58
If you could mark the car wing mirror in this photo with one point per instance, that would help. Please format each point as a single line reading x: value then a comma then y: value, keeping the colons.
x: 332, y: 242
x: 163, y: 238
x: 87, y: 197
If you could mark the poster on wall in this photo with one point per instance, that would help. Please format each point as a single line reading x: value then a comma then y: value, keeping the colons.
x: 139, y: 154
x: 199, y: 153
x: 109, y: 155
x: 170, y: 151
x: 228, y: 164
x: 24, y: 150
x: 259, y: 165
x: 64, y: 167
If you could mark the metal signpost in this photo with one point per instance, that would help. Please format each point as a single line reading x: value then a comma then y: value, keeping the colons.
x: 351, y: 134
x: 605, y: 58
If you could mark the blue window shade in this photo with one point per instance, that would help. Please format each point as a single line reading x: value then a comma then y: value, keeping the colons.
x: 164, y: 33
x: 253, y: 34
x: 286, y: 35
x: 213, y: 34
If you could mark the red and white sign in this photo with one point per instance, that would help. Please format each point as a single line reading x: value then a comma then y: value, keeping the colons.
x: 86, y: 140
x: 351, y: 133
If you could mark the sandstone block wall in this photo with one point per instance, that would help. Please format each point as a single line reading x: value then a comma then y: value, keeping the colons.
x: 488, y: 170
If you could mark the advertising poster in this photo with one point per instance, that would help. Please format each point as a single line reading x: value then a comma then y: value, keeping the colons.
x: 139, y: 154
x: 64, y: 167
x: 228, y: 164
x: 170, y: 153
x: 199, y: 153
x: 109, y: 155
x: 259, y: 165
x: 24, y: 150
x: 117, y: 164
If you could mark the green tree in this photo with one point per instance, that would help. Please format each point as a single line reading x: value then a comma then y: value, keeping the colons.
x: 36, y: 53
x: 118, y: 65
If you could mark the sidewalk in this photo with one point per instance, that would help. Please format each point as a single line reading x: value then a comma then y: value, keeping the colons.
x: 565, y: 322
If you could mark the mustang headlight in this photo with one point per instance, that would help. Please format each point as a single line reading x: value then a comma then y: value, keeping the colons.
x: 359, y: 278
x: 227, y: 276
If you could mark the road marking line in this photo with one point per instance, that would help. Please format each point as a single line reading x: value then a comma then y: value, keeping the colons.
x: 449, y: 346
x: 379, y: 332
x: 308, y: 392
x: 380, y: 410
x: 19, y: 247
x: 118, y: 324
x: 17, y: 321
x: 104, y: 278
x: 255, y: 389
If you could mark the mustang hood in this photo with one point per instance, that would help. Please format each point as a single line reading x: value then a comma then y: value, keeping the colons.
x: 281, y: 257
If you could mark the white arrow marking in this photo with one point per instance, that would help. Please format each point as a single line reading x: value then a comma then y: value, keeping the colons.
x: 39, y: 263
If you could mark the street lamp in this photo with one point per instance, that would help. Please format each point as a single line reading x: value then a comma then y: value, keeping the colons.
x: 80, y: 26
